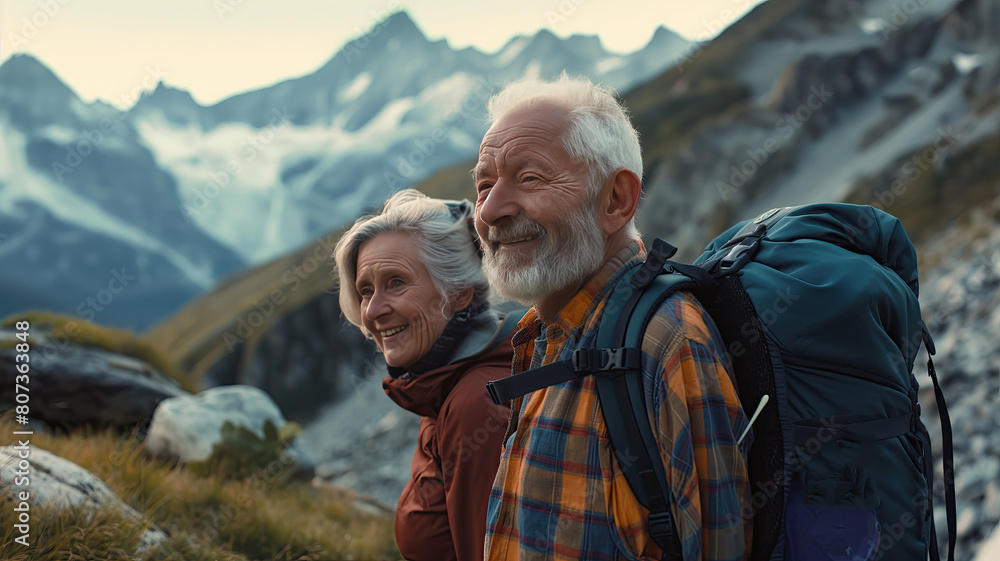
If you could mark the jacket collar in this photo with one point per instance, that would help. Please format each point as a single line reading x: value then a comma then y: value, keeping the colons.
x: 425, y: 394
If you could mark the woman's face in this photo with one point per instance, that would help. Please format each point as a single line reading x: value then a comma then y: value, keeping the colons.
x: 400, y: 306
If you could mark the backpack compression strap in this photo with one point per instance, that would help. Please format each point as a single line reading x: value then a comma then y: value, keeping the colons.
x: 948, y: 459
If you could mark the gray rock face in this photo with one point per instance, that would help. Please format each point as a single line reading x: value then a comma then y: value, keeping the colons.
x: 58, y: 482
x: 72, y: 385
x: 306, y: 359
x: 365, y: 442
x: 960, y: 302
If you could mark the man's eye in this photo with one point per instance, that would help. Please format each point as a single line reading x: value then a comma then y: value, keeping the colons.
x: 483, y: 186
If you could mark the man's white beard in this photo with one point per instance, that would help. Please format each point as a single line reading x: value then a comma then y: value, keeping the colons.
x: 550, y: 268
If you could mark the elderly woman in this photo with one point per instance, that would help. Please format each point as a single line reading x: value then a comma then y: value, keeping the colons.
x: 410, y: 279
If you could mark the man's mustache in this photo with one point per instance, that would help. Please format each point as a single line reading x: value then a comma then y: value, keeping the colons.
x: 519, y: 228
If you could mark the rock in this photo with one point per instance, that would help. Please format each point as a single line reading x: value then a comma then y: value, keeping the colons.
x: 991, y: 503
x: 968, y: 519
x: 365, y: 442
x: 188, y: 427
x: 72, y: 385
x: 989, y: 550
x: 58, y: 482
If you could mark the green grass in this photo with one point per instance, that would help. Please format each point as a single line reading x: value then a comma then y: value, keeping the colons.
x: 67, y: 328
x: 210, y: 517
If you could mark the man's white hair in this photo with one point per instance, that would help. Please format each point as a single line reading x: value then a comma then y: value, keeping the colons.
x: 600, y: 133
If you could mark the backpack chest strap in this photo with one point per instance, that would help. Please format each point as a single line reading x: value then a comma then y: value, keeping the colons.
x: 601, y: 362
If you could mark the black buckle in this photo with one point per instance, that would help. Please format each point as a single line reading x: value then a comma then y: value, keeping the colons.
x: 601, y: 360
x: 493, y: 393
x: 661, y: 527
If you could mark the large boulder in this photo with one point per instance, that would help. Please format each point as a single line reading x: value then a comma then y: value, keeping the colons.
x: 72, y: 385
x: 59, y: 483
x: 187, y: 428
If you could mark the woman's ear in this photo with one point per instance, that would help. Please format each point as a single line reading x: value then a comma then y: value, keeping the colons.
x: 460, y: 300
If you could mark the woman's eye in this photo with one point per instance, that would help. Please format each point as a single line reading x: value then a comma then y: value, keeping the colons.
x: 396, y: 283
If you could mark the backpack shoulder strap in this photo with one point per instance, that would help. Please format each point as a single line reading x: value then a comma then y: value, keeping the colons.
x: 622, y: 397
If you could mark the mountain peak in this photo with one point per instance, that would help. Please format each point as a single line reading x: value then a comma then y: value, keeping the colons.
x: 665, y: 35
x: 27, y: 71
x: 400, y: 21
x: 28, y: 87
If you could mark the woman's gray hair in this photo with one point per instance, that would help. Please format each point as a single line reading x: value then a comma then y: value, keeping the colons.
x: 444, y: 244
x: 600, y: 133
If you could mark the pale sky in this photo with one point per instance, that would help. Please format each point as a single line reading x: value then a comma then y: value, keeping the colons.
x: 112, y: 49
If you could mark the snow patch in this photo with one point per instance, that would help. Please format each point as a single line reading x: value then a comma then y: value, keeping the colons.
x: 510, y: 52
x: 609, y: 64
x: 357, y: 87
x: 966, y: 63
x: 872, y: 25
x: 73, y: 209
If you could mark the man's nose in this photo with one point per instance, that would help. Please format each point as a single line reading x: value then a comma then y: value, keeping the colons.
x: 500, y: 202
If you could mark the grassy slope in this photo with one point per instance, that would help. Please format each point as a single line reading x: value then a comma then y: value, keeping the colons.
x: 207, y: 518
x: 196, y: 336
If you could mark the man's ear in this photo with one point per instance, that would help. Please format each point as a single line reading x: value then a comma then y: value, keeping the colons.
x: 620, y: 195
x: 460, y: 300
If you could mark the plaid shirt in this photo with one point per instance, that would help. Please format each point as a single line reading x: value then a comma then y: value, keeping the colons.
x: 559, y: 495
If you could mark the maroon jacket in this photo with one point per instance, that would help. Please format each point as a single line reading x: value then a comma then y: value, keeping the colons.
x: 441, y: 514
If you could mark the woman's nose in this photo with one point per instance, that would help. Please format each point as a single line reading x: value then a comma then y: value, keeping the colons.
x: 378, y: 305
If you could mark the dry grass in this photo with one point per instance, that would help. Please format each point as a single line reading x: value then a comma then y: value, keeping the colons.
x: 262, y: 517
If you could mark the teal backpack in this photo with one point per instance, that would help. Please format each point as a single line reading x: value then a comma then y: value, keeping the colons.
x: 817, y: 306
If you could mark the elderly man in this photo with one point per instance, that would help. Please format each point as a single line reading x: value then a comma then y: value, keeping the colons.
x: 558, y: 181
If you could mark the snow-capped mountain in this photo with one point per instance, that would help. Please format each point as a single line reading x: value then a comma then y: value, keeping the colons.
x: 83, y: 204
x: 183, y: 194
x: 388, y: 110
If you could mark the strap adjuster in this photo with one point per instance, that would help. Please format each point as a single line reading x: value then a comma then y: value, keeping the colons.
x: 588, y: 361
x: 661, y: 527
x: 492, y: 390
